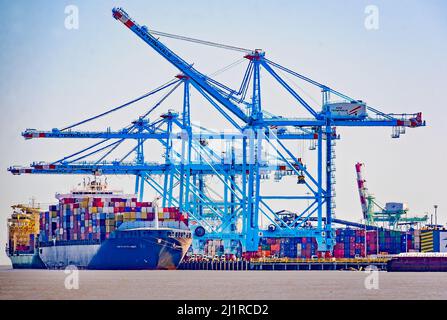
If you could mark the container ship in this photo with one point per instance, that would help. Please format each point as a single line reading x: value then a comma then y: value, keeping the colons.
x: 23, y: 230
x: 96, y: 228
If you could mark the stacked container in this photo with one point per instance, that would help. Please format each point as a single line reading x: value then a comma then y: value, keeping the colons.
x: 214, y: 247
x: 88, y: 218
x: 349, y: 243
x: 172, y: 218
x: 391, y: 242
x: 416, y: 240
x: 81, y: 217
x: 23, y: 225
x: 294, y: 247
x: 372, y: 243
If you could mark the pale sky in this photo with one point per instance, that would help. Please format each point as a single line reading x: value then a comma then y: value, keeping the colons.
x: 52, y: 76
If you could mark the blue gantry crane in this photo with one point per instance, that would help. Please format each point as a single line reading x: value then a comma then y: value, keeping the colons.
x: 232, y: 207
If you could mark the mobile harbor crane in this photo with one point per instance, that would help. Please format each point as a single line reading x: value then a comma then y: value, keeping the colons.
x: 393, y: 215
x: 231, y: 208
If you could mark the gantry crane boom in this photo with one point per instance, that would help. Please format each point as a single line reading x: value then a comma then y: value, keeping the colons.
x: 187, y: 69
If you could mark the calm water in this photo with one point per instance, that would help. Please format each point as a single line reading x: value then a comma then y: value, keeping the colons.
x: 179, y: 285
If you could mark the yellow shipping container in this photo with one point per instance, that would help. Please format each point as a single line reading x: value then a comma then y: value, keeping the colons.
x: 143, y: 215
x: 133, y: 216
x: 94, y: 210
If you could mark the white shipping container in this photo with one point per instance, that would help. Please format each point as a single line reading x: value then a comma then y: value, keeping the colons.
x: 346, y: 110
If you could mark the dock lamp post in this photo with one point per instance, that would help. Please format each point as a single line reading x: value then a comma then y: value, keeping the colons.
x: 436, y: 215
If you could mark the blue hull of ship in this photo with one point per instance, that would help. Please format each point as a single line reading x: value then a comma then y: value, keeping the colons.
x: 139, y: 253
x: 135, y: 249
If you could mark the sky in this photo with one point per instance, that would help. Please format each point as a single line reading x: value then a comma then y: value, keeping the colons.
x: 53, y: 76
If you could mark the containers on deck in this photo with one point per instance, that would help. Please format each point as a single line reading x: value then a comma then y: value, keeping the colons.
x: 23, y: 226
x: 88, y: 218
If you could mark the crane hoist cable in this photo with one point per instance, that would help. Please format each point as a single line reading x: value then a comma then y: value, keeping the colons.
x: 204, y: 42
x: 161, y: 100
x: 109, y: 152
x: 99, y: 150
x: 228, y: 67
x: 130, y: 129
x: 164, y: 86
x: 298, y: 87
